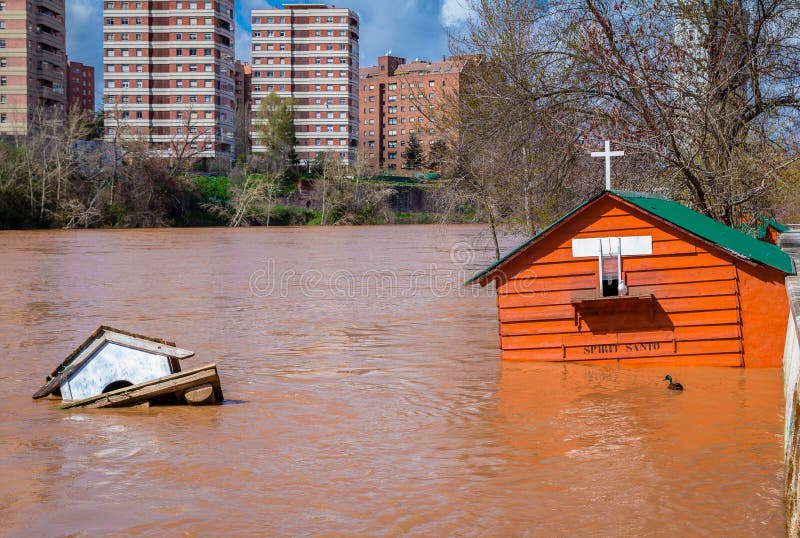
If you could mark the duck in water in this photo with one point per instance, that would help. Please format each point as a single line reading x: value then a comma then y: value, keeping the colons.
x: 673, y: 386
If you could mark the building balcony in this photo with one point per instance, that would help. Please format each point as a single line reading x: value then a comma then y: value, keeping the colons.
x: 54, y: 40
x: 49, y: 94
x: 53, y: 75
x: 55, y: 7
x: 51, y: 20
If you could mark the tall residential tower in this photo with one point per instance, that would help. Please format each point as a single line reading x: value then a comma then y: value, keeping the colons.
x: 309, y: 53
x: 33, y: 61
x: 168, y: 75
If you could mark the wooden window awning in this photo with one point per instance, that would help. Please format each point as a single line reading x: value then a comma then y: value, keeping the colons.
x: 594, y: 300
x: 592, y: 304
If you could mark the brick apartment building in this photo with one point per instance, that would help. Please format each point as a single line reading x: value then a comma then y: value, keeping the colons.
x: 309, y: 52
x: 397, y: 100
x: 80, y: 87
x: 33, y: 61
x: 243, y: 81
x: 169, y: 75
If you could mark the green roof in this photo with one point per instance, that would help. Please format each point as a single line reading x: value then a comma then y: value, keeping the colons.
x: 724, y: 237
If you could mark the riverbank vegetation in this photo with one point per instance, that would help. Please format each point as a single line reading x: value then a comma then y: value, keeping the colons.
x: 62, y: 176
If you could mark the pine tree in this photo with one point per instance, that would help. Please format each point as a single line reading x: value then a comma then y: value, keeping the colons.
x: 275, y: 128
x: 437, y: 154
x: 414, y: 155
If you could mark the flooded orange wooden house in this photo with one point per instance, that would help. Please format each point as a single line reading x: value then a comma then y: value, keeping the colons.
x: 635, y: 277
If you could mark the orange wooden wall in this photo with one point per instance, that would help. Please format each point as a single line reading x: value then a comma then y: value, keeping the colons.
x: 710, y: 308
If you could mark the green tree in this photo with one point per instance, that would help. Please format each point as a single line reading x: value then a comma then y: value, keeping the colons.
x: 414, y: 156
x: 437, y: 154
x: 275, y: 130
x: 96, y: 126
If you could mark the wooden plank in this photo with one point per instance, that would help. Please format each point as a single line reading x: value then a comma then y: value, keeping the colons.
x: 721, y: 359
x: 681, y: 276
x: 532, y: 313
x: 586, y: 280
x: 202, y: 395
x: 542, y: 326
x: 622, y: 340
x: 563, y: 253
x: 58, y: 377
x: 557, y: 299
x: 688, y: 289
x: 175, y: 383
x: 707, y: 332
x: 148, y: 345
x: 577, y: 339
x: 596, y: 222
x: 576, y: 266
x: 595, y: 212
x: 541, y: 298
x: 553, y: 332
x: 548, y: 285
x: 554, y: 258
x: 716, y: 359
x: 677, y: 319
x: 699, y: 304
x: 581, y: 266
x: 677, y: 261
x: 532, y: 321
x: 546, y: 297
x: 629, y: 228
x: 704, y: 347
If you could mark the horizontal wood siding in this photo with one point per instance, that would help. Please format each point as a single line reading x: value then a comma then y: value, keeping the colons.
x: 694, y: 317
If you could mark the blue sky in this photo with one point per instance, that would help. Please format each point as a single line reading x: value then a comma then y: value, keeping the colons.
x: 409, y: 28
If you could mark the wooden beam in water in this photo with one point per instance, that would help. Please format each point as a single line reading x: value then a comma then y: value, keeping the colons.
x: 177, y: 384
x: 202, y: 395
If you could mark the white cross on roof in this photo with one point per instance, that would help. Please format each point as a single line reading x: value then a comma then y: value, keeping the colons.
x: 608, y: 154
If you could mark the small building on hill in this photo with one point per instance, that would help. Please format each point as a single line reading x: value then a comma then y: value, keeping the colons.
x: 635, y: 277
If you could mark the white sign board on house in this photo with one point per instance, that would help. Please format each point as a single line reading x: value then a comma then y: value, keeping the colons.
x: 641, y: 245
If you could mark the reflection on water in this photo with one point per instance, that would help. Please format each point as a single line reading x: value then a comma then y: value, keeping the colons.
x: 383, y: 410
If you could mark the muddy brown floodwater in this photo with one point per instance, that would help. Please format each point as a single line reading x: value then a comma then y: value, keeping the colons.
x: 366, y: 397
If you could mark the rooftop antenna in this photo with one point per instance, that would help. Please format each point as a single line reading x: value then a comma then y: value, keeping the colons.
x: 608, y: 154
x: 389, y: 52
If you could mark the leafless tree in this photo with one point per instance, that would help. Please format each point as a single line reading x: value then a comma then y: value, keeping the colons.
x: 701, y: 94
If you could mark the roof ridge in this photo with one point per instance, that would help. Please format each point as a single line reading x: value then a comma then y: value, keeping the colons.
x: 723, y: 237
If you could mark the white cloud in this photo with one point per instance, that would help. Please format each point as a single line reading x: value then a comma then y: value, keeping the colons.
x: 244, y: 49
x: 81, y: 11
x: 455, y: 12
